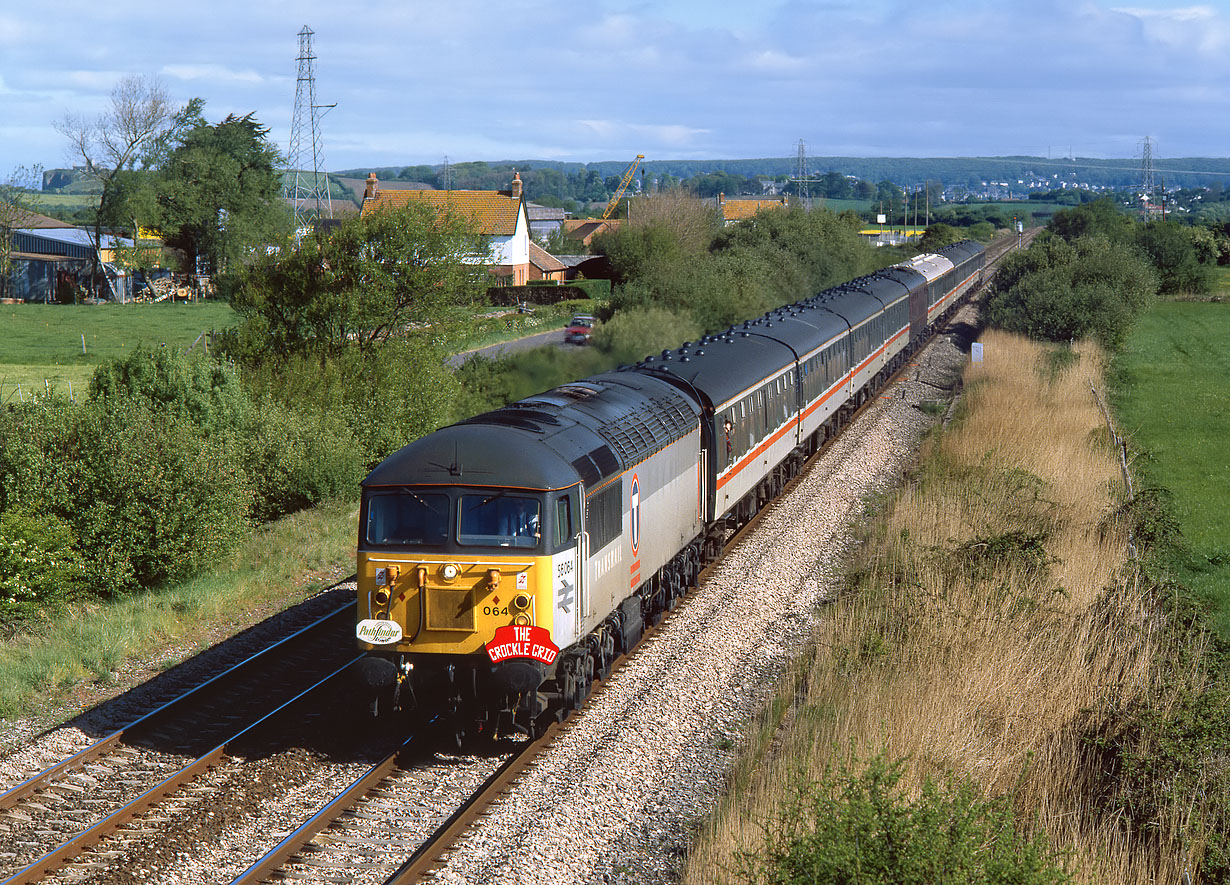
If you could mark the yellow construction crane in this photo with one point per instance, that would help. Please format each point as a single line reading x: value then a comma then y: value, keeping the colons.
x: 623, y: 186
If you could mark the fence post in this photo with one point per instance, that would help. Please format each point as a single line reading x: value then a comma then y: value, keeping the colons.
x: 1121, y: 447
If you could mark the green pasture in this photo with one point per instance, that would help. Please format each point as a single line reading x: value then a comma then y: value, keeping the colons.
x: 51, y: 345
x: 859, y: 206
x: 1172, y: 400
x: 49, y: 202
x: 1221, y: 281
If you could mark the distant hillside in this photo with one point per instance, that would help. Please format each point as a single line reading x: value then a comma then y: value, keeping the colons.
x: 951, y: 171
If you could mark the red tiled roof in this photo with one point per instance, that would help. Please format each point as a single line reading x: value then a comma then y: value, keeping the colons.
x: 493, y: 212
x: 544, y: 260
x: 737, y: 210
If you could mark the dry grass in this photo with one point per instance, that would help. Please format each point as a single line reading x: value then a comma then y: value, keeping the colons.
x: 998, y: 623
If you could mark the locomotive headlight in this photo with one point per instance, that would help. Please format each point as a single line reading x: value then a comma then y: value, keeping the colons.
x: 449, y: 571
x: 522, y: 620
x: 381, y: 596
x: 521, y: 602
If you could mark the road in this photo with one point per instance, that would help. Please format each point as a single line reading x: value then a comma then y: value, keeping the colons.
x: 538, y: 339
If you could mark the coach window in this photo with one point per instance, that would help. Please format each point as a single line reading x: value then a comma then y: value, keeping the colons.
x: 726, y: 445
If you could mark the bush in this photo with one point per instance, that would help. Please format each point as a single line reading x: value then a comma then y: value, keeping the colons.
x: 775, y: 258
x: 1172, y: 249
x: 488, y: 384
x: 148, y: 498
x: 862, y: 828
x: 193, y: 387
x: 40, y: 565
x: 295, y: 459
x: 383, y: 398
x: 631, y: 335
x: 1058, y: 291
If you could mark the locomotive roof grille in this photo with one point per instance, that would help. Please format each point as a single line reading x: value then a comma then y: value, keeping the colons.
x: 651, y: 430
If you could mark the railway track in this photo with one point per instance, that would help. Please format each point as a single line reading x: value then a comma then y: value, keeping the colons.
x: 360, y: 833
x: 379, y: 829
x: 54, y: 817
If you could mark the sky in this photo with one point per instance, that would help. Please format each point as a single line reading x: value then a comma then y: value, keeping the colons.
x: 415, y: 82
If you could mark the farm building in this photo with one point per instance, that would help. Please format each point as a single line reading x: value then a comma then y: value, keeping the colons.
x: 50, y: 257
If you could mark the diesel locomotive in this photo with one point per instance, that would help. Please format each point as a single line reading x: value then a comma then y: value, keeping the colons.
x: 504, y: 562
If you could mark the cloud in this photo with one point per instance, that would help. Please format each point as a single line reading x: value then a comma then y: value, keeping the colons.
x: 13, y: 31
x: 211, y: 72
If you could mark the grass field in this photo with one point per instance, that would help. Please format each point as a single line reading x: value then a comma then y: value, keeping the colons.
x: 43, y: 343
x: 1172, y: 400
x: 1221, y: 281
x: 45, y: 202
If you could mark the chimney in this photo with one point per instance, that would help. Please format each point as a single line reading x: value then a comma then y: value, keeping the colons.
x: 369, y: 192
x: 721, y: 199
x: 516, y: 186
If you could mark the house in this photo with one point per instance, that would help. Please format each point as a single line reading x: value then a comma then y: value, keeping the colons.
x: 585, y: 229
x: 544, y: 265
x: 739, y: 210
x: 544, y: 220
x: 498, y: 216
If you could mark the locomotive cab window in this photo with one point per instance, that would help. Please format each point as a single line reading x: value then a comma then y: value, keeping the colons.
x: 499, y: 520
x: 563, y: 522
x: 407, y: 519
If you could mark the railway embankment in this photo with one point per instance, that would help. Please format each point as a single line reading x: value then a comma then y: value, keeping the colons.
x: 997, y: 679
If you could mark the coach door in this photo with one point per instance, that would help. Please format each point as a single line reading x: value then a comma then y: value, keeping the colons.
x: 582, y: 552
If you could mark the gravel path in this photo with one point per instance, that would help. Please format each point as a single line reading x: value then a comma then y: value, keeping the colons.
x: 617, y: 797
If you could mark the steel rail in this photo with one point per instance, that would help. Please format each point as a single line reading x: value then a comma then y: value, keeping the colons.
x: 53, y: 860
x: 429, y: 854
x: 277, y: 856
x: 43, y: 779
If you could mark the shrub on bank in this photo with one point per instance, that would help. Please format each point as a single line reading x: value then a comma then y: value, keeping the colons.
x: 862, y: 826
x: 146, y: 497
x: 1062, y: 291
x: 39, y: 563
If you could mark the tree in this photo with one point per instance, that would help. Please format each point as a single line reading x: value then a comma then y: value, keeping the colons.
x: 218, y: 192
x: 361, y: 285
x: 1172, y: 249
x: 1100, y: 217
x: 937, y: 236
x: 891, y: 199
x: 116, y: 140
x: 15, y: 206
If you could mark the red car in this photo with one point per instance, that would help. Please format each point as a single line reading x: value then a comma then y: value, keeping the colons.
x: 578, y: 329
